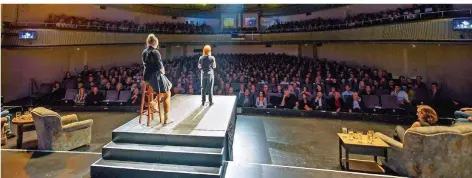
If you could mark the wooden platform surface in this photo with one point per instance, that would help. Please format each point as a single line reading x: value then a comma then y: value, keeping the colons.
x: 189, y: 117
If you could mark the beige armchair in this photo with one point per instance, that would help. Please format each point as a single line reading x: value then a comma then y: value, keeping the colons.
x: 60, y: 133
x: 436, y: 151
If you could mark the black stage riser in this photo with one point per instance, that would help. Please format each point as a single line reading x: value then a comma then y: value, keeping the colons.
x: 114, y: 171
x: 173, y: 155
x: 168, y: 139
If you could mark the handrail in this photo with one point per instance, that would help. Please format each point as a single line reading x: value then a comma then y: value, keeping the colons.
x: 142, y: 28
x: 403, y: 17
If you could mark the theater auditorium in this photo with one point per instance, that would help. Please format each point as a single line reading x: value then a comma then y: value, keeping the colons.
x: 295, y: 90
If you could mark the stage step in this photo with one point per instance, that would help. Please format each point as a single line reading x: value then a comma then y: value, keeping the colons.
x: 168, y: 139
x: 117, y: 169
x: 166, y: 154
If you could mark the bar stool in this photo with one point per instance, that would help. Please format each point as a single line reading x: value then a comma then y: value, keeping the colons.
x: 150, y: 97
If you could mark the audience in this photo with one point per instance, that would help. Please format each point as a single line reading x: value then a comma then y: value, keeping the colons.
x: 284, y: 81
x: 358, y: 20
x: 72, y: 22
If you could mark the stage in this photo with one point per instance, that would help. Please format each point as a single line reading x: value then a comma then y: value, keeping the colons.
x: 195, y: 144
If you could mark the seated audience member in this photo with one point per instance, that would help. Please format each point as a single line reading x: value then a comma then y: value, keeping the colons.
x: 57, y: 92
x: 119, y: 87
x: 190, y: 91
x: 336, y: 103
x: 426, y: 117
x: 402, y: 97
x: 80, y: 85
x: 332, y: 92
x: 356, y: 104
x: 245, y: 100
x: 304, y: 103
x: 347, y: 92
x: 230, y: 92
x: 289, y: 100
x: 94, y: 97
x: 128, y: 83
x: 135, y: 99
x: 279, y: 90
x: 108, y: 87
x: 261, y: 100
x: 6, y: 114
x: 306, y: 91
x: 67, y: 77
x: 319, y: 88
x: 80, y: 98
x: 219, y: 92
x: 180, y: 90
x: 463, y: 115
x: 319, y: 103
x: 420, y: 83
x: 285, y: 82
x: 241, y: 88
x: 368, y: 91
x: 266, y: 91
x: 435, y: 96
x: 134, y: 86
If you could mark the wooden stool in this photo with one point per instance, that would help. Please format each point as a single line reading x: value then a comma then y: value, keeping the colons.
x: 150, y: 96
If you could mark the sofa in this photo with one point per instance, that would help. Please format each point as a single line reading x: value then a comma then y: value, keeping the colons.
x: 60, y: 133
x: 436, y: 151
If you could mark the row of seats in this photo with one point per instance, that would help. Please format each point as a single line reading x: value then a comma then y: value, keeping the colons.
x: 111, y: 96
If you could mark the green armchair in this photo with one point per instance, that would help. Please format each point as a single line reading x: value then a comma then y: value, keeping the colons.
x: 60, y: 133
x: 435, y: 151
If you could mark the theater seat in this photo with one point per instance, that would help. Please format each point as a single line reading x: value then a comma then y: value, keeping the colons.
x: 372, y: 103
x: 390, y: 104
x: 123, y: 97
x: 70, y: 95
x: 111, y: 96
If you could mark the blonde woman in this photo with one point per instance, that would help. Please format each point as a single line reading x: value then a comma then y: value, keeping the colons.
x: 426, y: 117
x: 80, y: 98
x: 154, y: 74
x: 207, y: 64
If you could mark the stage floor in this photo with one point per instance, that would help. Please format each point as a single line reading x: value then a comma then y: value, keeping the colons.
x: 189, y: 118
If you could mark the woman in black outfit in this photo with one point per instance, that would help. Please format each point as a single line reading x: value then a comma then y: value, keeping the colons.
x: 154, y: 73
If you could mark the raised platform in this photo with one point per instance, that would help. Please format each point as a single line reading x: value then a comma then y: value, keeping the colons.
x: 195, y: 144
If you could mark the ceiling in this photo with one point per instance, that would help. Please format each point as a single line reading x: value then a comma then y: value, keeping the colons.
x: 214, y: 10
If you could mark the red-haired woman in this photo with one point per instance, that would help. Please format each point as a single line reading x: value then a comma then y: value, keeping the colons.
x: 207, y: 63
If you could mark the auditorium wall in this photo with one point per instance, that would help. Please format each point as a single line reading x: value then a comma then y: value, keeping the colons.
x: 447, y: 64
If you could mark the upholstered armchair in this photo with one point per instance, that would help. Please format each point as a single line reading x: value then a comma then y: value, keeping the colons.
x: 3, y: 133
x: 60, y: 133
x: 436, y: 151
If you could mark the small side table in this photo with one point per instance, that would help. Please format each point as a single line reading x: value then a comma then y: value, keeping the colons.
x: 377, y: 148
x: 23, y: 125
